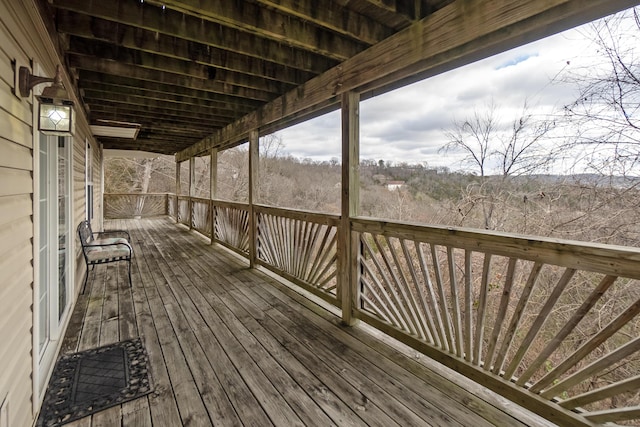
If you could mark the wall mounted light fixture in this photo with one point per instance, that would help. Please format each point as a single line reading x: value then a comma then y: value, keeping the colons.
x: 55, y: 109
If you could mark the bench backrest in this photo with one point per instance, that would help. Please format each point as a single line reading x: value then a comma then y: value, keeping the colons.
x: 85, y: 233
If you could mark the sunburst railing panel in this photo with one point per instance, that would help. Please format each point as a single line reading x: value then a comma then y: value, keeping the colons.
x: 301, y: 246
x: 129, y: 205
x: 183, y: 210
x: 557, y: 320
x: 232, y: 225
x: 201, y: 215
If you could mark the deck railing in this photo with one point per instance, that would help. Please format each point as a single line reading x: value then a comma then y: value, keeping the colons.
x: 172, y: 205
x: 232, y: 225
x: 301, y: 247
x: 553, y: 325
x: 129, y: 205
x: 184, y: 210
x: 545, y: 322
x: 201, y: 215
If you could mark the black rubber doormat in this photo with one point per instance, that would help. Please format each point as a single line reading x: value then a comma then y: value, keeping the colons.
x: 92, y: 380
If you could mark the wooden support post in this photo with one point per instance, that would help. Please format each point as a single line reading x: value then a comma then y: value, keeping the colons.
x: 254, y: 152
x: 177, y: 191
x: 192, y: 175
x: 213, y: 182
x: 350, y: 203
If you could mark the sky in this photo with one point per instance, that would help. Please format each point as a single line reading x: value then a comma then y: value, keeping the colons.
x: 409, y: 124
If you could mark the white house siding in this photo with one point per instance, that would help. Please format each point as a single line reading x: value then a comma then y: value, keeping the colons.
x: 22, y: 37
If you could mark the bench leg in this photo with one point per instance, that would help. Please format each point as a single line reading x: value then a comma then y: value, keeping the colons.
x: 86, y: 275
x: 130, y: 285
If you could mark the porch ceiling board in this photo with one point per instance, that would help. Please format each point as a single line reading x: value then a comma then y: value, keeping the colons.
x: 129, y: 85
x: 150, y: 145
x: 200, y: 29
x: 187, y: 125
x: 95, y: 29
x: 121, y: 92
x: 168, y: 104
x: 163, y: 114
x: 106, y: 66
x: 106, y: 51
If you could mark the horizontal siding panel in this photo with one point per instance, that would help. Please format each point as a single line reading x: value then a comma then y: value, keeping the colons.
x: 10, y: 29
x: 17, y: 259
x: 17, y: 107
x: 15, y: 333
x: 21, y: 413
x: 14, y: 181
x: 21, y: 288
x: 12, y: 234
x: 19, y: 310
x: 15, y: 130
x: 6, y: 68
x: 15, y: 156
x: 14, y: 207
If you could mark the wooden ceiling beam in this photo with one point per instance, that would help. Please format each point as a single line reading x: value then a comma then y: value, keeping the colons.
x: 455, y: 35
x: 86, y: 27
x: 251, y: 18
x: 232, y: 110
x: 168, y: 134
x: 159, y: 147
x: 137, y: 101
x: 386, y: 11
x: 147, y: 16
x: 129, y: 84
x: 140, y: 73
x: 101, y: 113
x: 169, y: 139
x: 106, y: 51
x: 327, y: 14
x: 170, y: 143
x: 166, y: 127
x: 165, y: 113
x: 172, y: 128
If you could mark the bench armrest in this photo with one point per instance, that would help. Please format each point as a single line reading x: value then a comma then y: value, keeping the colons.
x: 106, y: 233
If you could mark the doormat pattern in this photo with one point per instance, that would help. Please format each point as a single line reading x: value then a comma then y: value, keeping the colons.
x: 89, y: 381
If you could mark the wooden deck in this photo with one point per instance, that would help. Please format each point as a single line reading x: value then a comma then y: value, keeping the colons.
x: 232, y: 346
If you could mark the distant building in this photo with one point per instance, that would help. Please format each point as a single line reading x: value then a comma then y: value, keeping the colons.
x: 379, y: 178
x: 394, y: 185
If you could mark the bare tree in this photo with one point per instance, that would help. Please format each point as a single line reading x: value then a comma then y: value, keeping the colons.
x: 473, y: 137
x: 488, y: 145
x: 605, y: 116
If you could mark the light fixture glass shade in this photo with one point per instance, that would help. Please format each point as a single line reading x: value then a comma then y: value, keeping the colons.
x: 55, y: 118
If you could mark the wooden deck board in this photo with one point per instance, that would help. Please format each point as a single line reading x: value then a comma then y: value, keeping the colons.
x: 231, y: 346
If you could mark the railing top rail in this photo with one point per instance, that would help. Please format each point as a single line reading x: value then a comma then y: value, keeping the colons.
x: 138, y: 194
x: 596, y: 257
x: 230, y: 204
x: 299, y: 214
x: 200, y: 199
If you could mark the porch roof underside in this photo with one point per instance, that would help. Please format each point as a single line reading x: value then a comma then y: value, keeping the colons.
x: 229, y: 345
x: 198, y: 74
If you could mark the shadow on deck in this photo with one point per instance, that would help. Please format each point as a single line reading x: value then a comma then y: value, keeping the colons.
x: 232, y: 346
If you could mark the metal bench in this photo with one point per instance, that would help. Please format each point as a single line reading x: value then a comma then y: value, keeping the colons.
x: 104, y: 247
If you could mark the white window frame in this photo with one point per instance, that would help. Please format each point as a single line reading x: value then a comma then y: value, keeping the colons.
x: 88, y: 178
x: 57, y: 326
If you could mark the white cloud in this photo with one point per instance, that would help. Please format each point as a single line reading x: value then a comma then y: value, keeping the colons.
x: 408, y: 124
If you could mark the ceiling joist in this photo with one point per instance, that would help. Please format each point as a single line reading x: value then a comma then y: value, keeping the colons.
x: 98, y: 30
x: 150, y: 17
